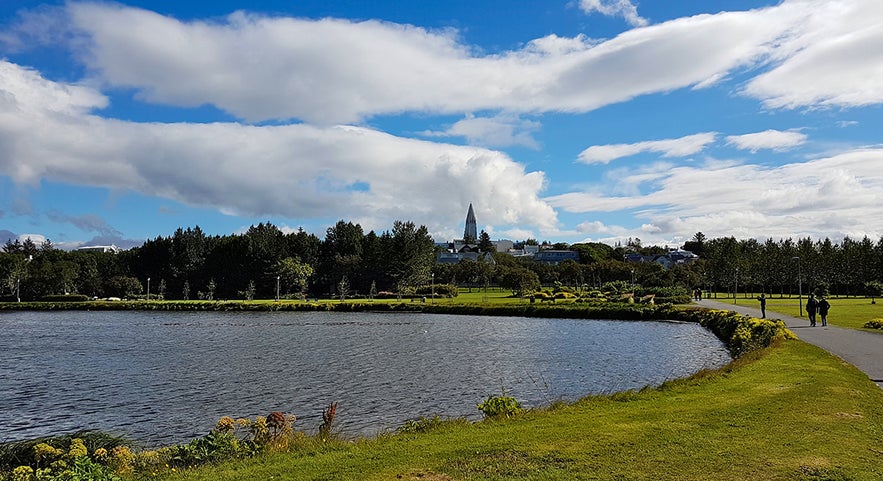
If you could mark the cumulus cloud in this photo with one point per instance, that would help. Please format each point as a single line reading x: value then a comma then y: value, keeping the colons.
x: 297, y: 171
x: 830, y: 58
x: 768, y: 139
x: 831, y: 196
x: 331, y: 71
x: 680, y: 147
x: 500, y: 131
x: 339, y: 71
x: 614, y: 8
x: 802, y: 53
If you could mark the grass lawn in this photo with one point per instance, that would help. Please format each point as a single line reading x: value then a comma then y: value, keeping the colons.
x: 792, y: 412
x: 852, y: 312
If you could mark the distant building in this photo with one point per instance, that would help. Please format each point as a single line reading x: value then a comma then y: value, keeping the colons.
x: 111, y: 248
x: 503, y: 245
x: 471, y: 231
x: 467, y: 247
x: 555, y: 257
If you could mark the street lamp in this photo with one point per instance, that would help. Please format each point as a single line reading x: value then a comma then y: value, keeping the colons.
x: 736, y: 286
x: 799, y: 285
x: 277, y: 288
x: 432, y: 275
x: 148, y: 288
x: 633, y: 278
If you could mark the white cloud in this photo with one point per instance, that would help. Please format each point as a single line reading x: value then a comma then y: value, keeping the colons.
x: 680, y: 147
x: 331, y: 71
x: 297, y: 171
x: 830, y: 56
x: 832, y: 196
x: 503, y: 130
x: 615, y: 8
x: 778, y: 140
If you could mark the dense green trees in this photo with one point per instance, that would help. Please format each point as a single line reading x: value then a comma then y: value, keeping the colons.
x: 190, y: 264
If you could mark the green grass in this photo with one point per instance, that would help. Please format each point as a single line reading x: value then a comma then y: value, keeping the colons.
x: 851, y: 312
x: 792, y: 412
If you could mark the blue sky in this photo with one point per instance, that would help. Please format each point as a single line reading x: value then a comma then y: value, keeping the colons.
x: 573, y: 120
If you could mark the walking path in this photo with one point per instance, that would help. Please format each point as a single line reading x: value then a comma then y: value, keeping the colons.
x: 862, y: 349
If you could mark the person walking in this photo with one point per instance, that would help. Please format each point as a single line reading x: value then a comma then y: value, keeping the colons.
x: 762, y: 300
x: 811, y: 306
x: 824, y: 305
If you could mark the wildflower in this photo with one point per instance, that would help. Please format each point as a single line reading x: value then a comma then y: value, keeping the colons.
x: 22, y: 473
x: 77, y: 449
x: 44, y: 452
x: 121, y: 459
x: 226, y: 425
x: 100, y: 454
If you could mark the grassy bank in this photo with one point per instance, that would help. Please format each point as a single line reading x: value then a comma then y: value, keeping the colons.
x: 791, y: 412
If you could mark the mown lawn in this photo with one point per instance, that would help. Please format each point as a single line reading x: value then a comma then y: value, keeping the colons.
x: 791, y: 412
x: 851, y: 312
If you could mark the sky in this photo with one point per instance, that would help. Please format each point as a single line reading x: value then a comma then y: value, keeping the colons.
x: 561, y: 120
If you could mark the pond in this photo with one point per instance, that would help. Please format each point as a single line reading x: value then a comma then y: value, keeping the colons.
x: 165, y: 378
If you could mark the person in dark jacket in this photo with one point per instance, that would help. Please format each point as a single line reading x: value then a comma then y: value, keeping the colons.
x: 762, y: 300
x: 811, y: 306
x: 824, y: 305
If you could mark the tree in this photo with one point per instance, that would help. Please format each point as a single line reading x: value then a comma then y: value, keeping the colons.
x: 412, y: 254
x: 520, y: 280
x: 696, y: 245
x: 293, y: 274
x: 485, y: 244
x: 343, y: 288
x: 124, y: 286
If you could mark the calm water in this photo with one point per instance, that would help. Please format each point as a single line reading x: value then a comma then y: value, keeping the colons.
x: 163, y: 378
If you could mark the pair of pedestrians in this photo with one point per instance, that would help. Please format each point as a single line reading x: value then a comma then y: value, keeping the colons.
x: 820, y: 306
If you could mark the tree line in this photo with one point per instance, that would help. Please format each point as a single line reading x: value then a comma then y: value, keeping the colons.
x: 264, y: 262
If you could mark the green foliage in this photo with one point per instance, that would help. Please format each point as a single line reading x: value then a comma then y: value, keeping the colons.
x: 874, y: 324
x: 19, y: 453
x: 500, y: 406
x: 62, y: 458
x: 669, y: 294
x: 214, y: 446
x: 420, y: 425
x: 123, y: 286
x: 741, y: 334
x: 617, y: 287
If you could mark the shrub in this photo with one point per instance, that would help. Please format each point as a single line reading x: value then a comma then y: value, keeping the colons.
x: 874, y: 324
x: 500, y: 406
x: 741, y: 334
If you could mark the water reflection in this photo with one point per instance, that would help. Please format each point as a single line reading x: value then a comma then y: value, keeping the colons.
x: 163, y: 378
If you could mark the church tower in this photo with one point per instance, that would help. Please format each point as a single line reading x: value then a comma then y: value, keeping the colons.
x: 471, y: 232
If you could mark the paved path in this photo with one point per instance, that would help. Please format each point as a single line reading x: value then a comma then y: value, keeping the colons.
x: 862, y: 349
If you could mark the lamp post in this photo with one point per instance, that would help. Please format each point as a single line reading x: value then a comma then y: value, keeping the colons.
x: 277, y: 288
x: 432, y: 286
x: 736, y: 286
x: 799, y: 284
x: 148, y: 288
x: 633, y: 278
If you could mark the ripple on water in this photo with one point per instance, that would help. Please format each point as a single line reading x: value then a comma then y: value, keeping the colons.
x: 166, y: 378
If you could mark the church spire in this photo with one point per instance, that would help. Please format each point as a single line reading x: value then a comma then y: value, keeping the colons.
x: 471, y: 232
